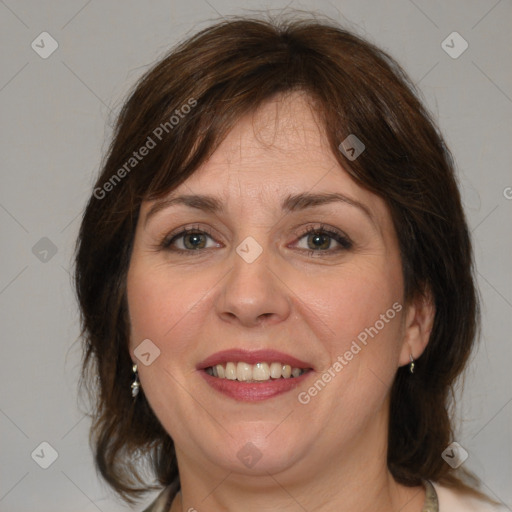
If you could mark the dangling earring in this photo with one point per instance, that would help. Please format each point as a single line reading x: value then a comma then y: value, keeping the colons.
x: 411, y: 366
x: 135, y: 384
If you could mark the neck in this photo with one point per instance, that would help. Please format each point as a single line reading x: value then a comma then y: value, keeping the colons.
x: 386, y: 497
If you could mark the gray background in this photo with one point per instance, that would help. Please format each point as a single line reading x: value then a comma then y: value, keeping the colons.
x: 56, y: 122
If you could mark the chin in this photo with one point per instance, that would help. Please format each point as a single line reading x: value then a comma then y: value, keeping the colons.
x: 250, y: 452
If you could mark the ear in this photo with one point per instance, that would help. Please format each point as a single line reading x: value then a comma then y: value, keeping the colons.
x: 418, y: 321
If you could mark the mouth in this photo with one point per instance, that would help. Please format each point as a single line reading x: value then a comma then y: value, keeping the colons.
x: 259, y: 372
x: 253, y: 375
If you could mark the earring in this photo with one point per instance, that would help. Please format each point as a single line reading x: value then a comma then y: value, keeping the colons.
x: 411, y: 366
x: 135, y: 384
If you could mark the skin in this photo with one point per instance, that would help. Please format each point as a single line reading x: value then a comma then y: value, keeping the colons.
x: 329, y: 454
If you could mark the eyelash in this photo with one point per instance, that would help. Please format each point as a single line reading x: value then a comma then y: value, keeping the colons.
x: 342, y: 239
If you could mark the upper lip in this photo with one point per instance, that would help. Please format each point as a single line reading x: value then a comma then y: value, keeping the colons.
x: 251, y: 357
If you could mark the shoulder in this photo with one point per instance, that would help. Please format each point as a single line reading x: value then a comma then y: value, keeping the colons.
x: 453, y: 501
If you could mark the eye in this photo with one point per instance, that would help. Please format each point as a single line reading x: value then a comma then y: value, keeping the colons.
x: 188, y: 240
x: 321, y: 239
x: 317, y: 240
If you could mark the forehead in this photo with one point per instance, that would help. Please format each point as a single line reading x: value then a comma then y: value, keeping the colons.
x: 278, y: 150
x: 282, y: 145
x: 282, y: 139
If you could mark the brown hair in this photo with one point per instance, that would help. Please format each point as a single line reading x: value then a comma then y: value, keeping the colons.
x: 222, y: 73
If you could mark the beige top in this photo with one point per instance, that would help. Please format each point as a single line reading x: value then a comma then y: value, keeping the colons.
x: 452, y: 501
x: 437, y: 499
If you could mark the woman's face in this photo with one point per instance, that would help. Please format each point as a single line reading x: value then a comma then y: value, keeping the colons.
x: 248, y: 284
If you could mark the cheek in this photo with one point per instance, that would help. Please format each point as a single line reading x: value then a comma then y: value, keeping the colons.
x: 157, y: 304
x: 357, y: 301
x: 361, y: 308
x: 163, y: 308
x: 169, y: 307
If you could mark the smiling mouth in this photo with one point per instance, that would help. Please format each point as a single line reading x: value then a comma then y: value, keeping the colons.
x: 259, y: 372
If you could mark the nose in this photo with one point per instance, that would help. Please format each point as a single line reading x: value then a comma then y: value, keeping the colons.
x: 253, y: 293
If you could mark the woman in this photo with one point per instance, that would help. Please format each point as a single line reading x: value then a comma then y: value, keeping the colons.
x: 275, y: 278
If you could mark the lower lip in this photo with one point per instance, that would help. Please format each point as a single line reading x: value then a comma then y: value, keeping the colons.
x: 253, y: 391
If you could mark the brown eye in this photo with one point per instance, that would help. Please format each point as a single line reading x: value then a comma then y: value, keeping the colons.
x: 320, y: 240
x: 188, y: 241
x: 194, y: 241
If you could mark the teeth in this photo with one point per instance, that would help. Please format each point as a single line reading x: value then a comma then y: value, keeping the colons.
x: 258, y: 372
x: 296, y: 372
x: 243, y: 371
x: 275, y: 370
x: 230, y: 371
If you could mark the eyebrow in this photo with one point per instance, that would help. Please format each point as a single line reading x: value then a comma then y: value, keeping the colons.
x: 291, y: 203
